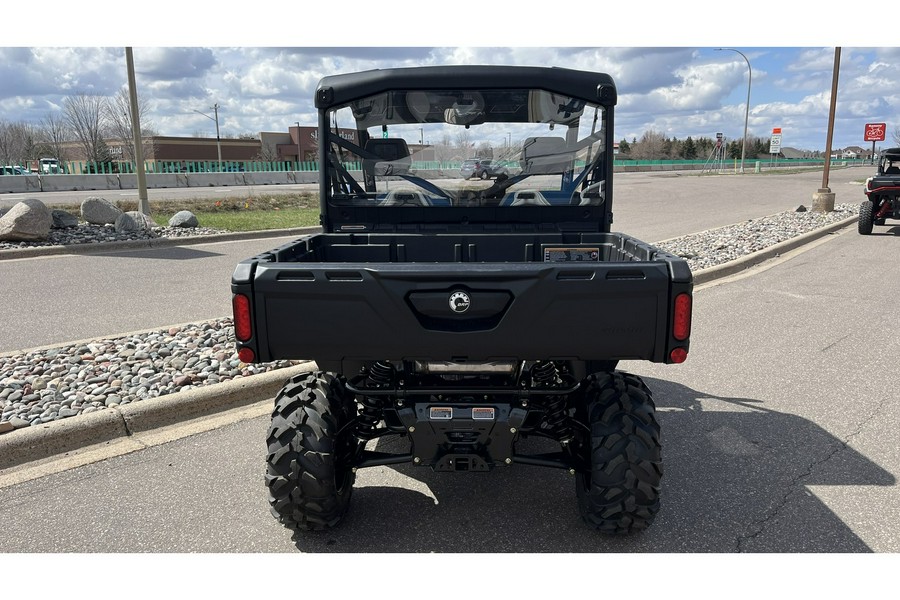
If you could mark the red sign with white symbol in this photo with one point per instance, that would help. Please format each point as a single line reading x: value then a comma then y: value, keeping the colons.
x: 875, y: 132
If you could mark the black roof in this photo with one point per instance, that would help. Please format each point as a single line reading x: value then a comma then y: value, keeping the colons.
x: 340, y: 89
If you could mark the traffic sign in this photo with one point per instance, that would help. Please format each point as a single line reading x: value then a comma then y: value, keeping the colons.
x: 875, y: 132
x: 775, y: 143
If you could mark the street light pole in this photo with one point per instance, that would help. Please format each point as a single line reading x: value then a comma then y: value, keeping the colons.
x: 823, y: 200
x: 747, y: 108
x: 215, y: 108
x: 298, y: 145
x: 143, y: 201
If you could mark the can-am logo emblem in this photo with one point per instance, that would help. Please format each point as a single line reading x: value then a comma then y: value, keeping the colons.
x: 459, y: 302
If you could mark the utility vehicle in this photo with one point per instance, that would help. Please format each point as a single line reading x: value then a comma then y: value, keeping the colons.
x: 461, y: 320
x: 882, y: 193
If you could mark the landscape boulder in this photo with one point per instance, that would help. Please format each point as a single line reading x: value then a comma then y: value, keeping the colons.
x: 99, y: 211
x: 184, y: 218
x: 134, y: 221
x: 63, y: 219
x: 27, y: 221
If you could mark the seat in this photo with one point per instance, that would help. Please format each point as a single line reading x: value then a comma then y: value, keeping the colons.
x: 545, y: 155
x: 529, y: 198
x: 386, y: 156
x: 405, y: 198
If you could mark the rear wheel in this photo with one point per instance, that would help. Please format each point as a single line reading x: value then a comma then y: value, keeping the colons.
x: 308, y: 464
x: 619, y: 493
x: 866, y: 220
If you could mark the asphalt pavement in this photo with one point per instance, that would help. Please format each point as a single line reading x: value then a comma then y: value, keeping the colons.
x: 774, y: 441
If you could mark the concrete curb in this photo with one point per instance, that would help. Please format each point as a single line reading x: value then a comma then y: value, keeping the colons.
x: 750, y: 260
x: 163, y: 242
x: 31, y: 444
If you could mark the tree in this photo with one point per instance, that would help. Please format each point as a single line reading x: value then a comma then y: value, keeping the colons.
x: 650, y: 147
x: 671, y: 148
x: 443, y: 150
x: 18, y: 142
x: 689, y: 149
x: 624, y: 147
x: 485, y: 150
x: 464, y: 142
x: 267, y: 153
x: 85, y: 115
x: 119, y: 118
x: 54, y: 132
x: 705, y: 147
x: 760, y: 147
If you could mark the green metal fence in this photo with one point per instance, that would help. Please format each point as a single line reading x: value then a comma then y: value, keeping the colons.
x: 125, y: 167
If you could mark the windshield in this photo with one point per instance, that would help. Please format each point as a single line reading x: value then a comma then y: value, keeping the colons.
x: 890, y: 164
x: 479, y: 147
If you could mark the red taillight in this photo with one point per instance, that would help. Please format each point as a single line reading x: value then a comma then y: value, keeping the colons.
x: 678, y: 355
x: 246, y: 355
x: 240, y: 304
x: 681, y: 326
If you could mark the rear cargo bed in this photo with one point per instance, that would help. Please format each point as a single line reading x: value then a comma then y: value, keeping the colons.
x: 453, y: 248
x: 357, y: 297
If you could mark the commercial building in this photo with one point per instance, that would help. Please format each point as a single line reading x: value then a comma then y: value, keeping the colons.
x: 297, y: 145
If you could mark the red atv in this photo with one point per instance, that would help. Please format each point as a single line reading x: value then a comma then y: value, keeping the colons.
x: 882, y: 193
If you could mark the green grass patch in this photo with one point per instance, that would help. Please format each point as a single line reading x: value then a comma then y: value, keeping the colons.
x: 250, y: 220
x: 252, y: 213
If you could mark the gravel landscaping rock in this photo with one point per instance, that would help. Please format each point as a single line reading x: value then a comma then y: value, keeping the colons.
x: 184, y: 218
x: 86, y: 233
x: 45, y: 385
x: 718, y: 246
x: 99, y: 211
x: 29, y: 220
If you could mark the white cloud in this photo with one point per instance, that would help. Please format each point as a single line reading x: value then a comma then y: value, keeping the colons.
x: 681, y: 91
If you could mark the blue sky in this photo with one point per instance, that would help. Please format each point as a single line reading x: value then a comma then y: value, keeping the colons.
x: 264, y: 82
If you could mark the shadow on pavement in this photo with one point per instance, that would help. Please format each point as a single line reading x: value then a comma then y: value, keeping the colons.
x: 172, y: 253
x: 736, y: 479
x: 893, y: 231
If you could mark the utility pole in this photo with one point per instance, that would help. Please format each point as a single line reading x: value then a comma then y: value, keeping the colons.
x: 215, y: 108
x: 298, y: 146
x: 143, y: 201
x: 823, y: 200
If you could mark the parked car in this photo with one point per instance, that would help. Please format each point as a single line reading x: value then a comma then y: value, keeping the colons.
x: 14, y: 170
x: 482, y: 168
